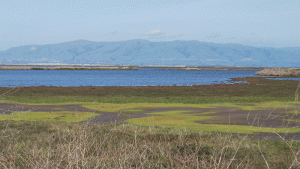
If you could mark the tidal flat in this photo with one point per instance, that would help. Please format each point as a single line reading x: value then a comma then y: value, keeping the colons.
x: 258, y: 106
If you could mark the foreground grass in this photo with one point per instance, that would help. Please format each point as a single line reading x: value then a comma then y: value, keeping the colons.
x: 70, y: 145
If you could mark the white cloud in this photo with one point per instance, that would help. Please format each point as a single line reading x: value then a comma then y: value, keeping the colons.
x: 154, y: 32
x: 247, y: 60
x: 33, y: 48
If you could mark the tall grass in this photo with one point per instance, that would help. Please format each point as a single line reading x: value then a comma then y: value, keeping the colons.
x: 67, y: 145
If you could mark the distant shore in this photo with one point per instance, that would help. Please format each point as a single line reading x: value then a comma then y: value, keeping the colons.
x: 60, y: 67
x: 282, y: 72
x: 287, y: 72
x: 112, y: 67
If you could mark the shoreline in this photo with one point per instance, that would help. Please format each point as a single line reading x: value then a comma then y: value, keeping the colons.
x: 280, y: 72
x: 114, y: 67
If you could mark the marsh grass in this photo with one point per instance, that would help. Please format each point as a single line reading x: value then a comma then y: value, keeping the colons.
x: 60, y: 100
x: 70, y: 145
x: 255, y: 91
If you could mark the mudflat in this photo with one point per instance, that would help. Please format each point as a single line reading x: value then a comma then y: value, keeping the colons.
x: 258, y: 106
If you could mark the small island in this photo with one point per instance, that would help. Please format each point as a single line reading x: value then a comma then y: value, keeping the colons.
x: 287, y: 72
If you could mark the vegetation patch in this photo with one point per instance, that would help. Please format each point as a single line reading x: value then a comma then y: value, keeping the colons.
x: 55, y: 116
x: 190, y: 118
x: 293, y: 112
x: 179, y: 120
x: 59, y: 100
x: 256, y: 90
x: 132, y: 110
x: 293, y: 120
x: 114, y: 107
x: 267, y: 105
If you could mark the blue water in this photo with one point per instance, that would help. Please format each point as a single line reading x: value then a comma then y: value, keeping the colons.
x: 144, y: 77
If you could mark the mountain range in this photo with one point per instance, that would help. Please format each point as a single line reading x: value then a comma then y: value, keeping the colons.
x: 147, y: 53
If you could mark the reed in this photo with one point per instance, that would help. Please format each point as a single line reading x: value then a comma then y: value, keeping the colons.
x: 72, y: 145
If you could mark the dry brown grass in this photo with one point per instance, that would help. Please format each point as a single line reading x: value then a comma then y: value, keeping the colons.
x: 279, y: 72
x: 53, y: 145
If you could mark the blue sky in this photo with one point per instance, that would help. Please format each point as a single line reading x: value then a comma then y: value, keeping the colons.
x: 271, y: 23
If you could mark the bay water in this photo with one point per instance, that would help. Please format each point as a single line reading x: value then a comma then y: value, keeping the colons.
x: 142, y: 77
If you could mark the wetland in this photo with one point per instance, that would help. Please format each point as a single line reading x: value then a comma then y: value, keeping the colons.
x: 257, y: 106
x: 204, y: 125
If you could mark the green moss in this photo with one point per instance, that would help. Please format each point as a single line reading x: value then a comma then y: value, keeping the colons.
x: 56, y: 116
x: 174, y: 119
x: 129, y: 107
x: 179, y: 120
x: 293, y: 120
x: 132, y: 110
x: 293, y: 112
x: 114, y: 107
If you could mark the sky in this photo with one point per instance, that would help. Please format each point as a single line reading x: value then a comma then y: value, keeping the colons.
x: 260, y: 23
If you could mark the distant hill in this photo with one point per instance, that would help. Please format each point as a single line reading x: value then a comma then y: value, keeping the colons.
x: 143, y: 52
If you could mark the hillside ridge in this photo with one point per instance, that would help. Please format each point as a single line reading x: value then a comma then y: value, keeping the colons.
x: 143, y: 52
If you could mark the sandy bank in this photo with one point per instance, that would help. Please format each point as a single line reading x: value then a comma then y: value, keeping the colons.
x: 292, y: 72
